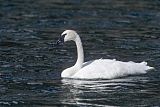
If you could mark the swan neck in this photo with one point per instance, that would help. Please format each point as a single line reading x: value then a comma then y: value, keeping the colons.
x: 80, y: 58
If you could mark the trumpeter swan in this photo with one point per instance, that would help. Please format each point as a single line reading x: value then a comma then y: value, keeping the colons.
x: 100, y: 68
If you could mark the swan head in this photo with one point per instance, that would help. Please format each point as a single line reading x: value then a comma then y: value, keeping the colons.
x: 67, y: 35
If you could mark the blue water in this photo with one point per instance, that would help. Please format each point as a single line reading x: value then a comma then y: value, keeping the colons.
x: 30, y: 65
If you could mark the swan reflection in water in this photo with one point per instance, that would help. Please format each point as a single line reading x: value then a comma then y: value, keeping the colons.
x: 100, y: 92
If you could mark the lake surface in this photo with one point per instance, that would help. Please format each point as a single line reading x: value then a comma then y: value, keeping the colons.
x: 30, y: 65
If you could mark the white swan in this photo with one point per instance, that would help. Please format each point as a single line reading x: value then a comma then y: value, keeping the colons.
x: 100, y: 68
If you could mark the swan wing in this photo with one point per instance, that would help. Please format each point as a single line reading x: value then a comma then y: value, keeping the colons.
x: 108, y: 69
x: 87, y: 63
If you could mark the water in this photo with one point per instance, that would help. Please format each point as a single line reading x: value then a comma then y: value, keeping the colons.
x: 30, y: 66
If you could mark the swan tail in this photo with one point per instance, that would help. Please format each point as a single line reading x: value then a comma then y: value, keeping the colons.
x: 150, y: 68
x: 147, y: 67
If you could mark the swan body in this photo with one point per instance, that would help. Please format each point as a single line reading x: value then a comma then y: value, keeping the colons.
x: 100, y: 68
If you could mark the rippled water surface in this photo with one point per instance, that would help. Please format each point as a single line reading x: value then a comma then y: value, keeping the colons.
x: 30, y: 66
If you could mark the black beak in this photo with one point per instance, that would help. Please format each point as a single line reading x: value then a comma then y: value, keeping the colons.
x: 60, y: 41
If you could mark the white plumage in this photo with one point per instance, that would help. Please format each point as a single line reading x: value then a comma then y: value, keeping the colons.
x: 108, y: 69
x: 101, y: 68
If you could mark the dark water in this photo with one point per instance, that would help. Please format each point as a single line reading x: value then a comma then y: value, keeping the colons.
x: 30, y: 66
